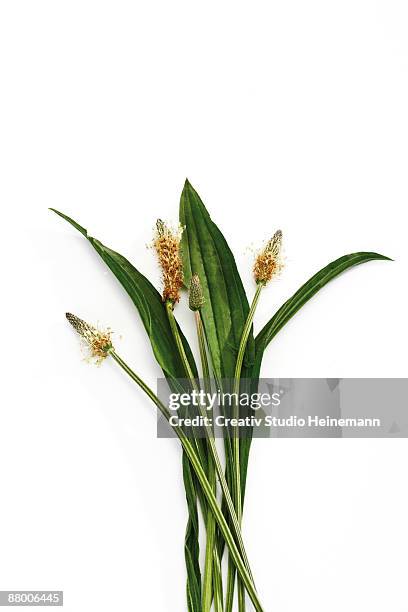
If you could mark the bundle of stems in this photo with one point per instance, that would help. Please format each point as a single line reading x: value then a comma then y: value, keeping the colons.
x: 195, y: 254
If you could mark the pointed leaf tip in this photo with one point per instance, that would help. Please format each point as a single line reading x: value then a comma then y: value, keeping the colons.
x: 71, y: 221
x: 303, y: 295
x: 206, y: 252
x: 148, y: 302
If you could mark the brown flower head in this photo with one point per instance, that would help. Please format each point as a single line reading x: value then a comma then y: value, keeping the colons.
x: 195, y: 298
x: 268, y: 262
x: 167, y: 245
x: 98, y: 342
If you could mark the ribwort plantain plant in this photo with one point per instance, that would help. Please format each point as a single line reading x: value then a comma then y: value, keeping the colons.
x: 195, y: 254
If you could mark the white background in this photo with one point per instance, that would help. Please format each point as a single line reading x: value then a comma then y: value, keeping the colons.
x: 285, y: 114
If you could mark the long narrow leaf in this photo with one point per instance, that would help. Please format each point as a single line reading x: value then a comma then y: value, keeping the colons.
x: 150, y: 307
x: 303, y: 295
x: 191, y: 545
x: 148, y: 303
x: 206, y: 253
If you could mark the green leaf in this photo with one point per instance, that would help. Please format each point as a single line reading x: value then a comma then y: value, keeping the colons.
x: 148, y: 303
x: 152, y: 312
x: 303, y: 295
x: 206, y: 253
x: 191, y: 543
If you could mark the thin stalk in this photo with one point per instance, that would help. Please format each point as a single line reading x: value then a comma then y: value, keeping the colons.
x: 217, y: 572
x: 229, y: 600
x: 211, y: 583
x: 203, y: 351
x: 179, y: 342
x: 236, y: 444
x: 209, y: 548
x: 210, y: 439
x: 217, y: 580
x: 202, y: 478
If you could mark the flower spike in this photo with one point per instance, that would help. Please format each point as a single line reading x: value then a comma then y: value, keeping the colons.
x: 195, y: 298
x: 98, y: 342
x: 167, y: 245
x: 268, y: 262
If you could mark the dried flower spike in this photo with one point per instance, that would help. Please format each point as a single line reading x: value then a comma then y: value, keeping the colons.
x: 167, y: 245
x: 268, y: 262
x: 98, y: 342
x: 195, y: 298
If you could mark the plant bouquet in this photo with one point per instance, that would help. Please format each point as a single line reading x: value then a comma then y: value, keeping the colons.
x: 197, y: 256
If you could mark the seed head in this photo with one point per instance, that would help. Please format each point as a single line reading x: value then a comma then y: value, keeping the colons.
x: 268, y: 262
x: 195, y: 298
x: 167, y: 245
x: 98, y: 342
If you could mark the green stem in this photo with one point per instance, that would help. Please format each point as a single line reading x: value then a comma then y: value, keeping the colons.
x: 210, y: 440
x: 217, y: 580
x: 237, y: 490
x: 202, y: 478
x: 217, y: 572
x: 180, y: 345
x: 203, y: 351
x: 211, y: 582
x: 236, y: 390
x: 229, y: 601
x: 209, y: 548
